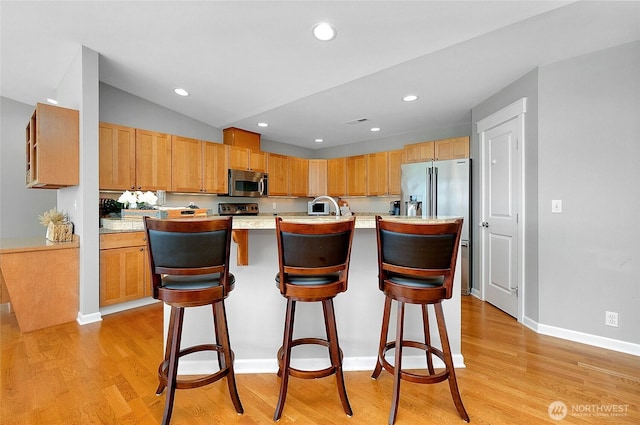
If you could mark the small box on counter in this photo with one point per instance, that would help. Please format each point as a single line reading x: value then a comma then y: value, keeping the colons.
x: 166, y: 213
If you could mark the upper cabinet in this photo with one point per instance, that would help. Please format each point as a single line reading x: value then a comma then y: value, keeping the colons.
x: 133, y: 159
x: 52, y: 147
x: 153, y: 160
x: 298, y: 176
x: 317, y: 177
x: 244, y: 150
x: 437, y: 150
x: 278, y: 174
x: 357, y: 175
x: 241, y: 138
x: 117, y: 163
x: 337, y: 176
x: 383, y: 171
x: 198, y: 166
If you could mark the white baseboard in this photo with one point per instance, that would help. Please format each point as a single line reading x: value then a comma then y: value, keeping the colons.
x: 584, y: 338
x: 85, y: 319
x: 201, y: 367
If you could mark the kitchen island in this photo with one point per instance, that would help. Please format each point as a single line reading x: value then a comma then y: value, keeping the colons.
x: 256, y: 310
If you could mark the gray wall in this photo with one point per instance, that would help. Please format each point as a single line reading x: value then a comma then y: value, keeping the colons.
x: 527, y: 86
x: 589, y: 157
x: 19, y: 206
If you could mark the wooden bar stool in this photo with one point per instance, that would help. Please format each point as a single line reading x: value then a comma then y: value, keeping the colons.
x: 416, y: 265
x: 190, y: 267
x: 313, y: 266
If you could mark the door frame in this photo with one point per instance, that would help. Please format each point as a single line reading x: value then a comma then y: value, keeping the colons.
x: 515, y: 110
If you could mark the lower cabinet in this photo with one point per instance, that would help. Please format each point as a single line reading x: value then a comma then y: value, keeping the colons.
x: 125, y: 274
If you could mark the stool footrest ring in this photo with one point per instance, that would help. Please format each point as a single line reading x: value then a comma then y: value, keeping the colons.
x: 307, y: 374
x: 203, y: 380
x: 413, y: 377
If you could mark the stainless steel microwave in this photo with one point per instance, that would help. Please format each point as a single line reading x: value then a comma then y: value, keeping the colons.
x: 319, y: 208
x: 251, y: 184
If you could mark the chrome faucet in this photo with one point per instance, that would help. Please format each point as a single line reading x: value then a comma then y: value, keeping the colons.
x: 335, y: 204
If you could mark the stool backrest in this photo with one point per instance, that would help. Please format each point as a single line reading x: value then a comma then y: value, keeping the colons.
x: 418, y: 250
x: 188, y: 247
x: 314, y: 248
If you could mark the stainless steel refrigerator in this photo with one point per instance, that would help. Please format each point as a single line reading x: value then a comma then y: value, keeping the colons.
x: 440, y: 189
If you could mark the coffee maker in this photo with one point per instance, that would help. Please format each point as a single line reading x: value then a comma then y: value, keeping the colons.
x: 394, y: 208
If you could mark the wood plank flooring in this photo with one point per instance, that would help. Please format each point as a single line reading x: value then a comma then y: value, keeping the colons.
x: 105, y: 373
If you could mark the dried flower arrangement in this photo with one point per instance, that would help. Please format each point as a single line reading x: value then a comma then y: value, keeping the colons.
x: 59, y: 229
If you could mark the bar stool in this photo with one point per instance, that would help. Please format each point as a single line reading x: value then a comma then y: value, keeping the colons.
x: 190, y: 267
x: 416, y: 265
x: 313, y: 266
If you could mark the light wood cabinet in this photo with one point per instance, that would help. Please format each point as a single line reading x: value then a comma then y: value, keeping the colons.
x: 241, y: 158
x: 52, y: 148
x: 419, y: 152
x: 133, y: 159
x: 117, y: 157
x: 437, y: 150
x: 455, y: 148
x: 396, y: 158
x: 298, y: 176
x: 125, y: 274
x: 357, y: 175
x: 278, y: 174
x: 378, y: 170
x: 317, y: 177
x: 198, y: 166
x: 241, y: 138
x: 153, y: 160
x: 337, y: 176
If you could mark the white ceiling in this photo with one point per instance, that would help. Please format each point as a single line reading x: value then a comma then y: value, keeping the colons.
x: 245, y: 62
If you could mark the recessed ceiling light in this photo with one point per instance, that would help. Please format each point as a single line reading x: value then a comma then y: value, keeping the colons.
x: 52, y: 101
x: 410, y: 98
x: 263, y: 124
x: 375, y: 129
x: 181, y: 92
x: 324, y: 32
x: 319, y: 140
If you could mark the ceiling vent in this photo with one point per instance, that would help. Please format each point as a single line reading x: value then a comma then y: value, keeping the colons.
x: 358, y: 121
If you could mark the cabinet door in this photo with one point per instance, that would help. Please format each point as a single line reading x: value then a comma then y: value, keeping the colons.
x: 124, y: 274
x: 395, y: 161
x: 238, y: 158
x: 117, y: 151
x: 258, y: 161
x: 337, y: 176
x: 357, y: 175
x: 298, y: 176
x: 418, y: 152
x: 186, y: 164
x: 278, y: 175
x: 317, y: 177
x: 215, y: 165
x: 153, y: 160
x: 454, y: 148
x: 377, y: 169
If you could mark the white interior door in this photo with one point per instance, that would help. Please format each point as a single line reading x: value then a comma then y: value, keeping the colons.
x: 501, y: 144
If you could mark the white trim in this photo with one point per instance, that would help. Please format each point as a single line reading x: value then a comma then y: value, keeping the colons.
x: 116, y: 308
x: 518, y: 107
x: 589, y: 339
x: 85, y: 319
x: 349, y: 364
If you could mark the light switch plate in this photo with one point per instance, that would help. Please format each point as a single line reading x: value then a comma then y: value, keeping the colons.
x: 556, y: 206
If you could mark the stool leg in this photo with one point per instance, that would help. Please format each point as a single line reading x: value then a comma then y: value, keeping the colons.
x: 334, y: 352
x: 427, y: 338
x: 226, y: 360
x: 176, y: 336
x: 383, y: 337
x: 286, y: 358
x: 167, y: 352
x: 398, y: 364
x: 453, y: 383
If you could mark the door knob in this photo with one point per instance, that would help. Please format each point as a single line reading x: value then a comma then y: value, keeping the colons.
x: 484, y: 224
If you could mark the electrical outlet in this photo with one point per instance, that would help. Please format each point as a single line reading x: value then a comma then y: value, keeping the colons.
x: 274, y: 205
x: 611, y: 319
x: 556, y: 206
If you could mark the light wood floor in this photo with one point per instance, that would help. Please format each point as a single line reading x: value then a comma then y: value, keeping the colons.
x: 105, y: 373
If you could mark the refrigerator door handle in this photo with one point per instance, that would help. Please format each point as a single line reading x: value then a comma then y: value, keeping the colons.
x: 429, y: 206
x: 435, y: 192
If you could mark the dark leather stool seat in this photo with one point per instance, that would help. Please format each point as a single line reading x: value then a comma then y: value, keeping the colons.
x: 189, y: 268
x: 313, y: 266
x: 416, y: 265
